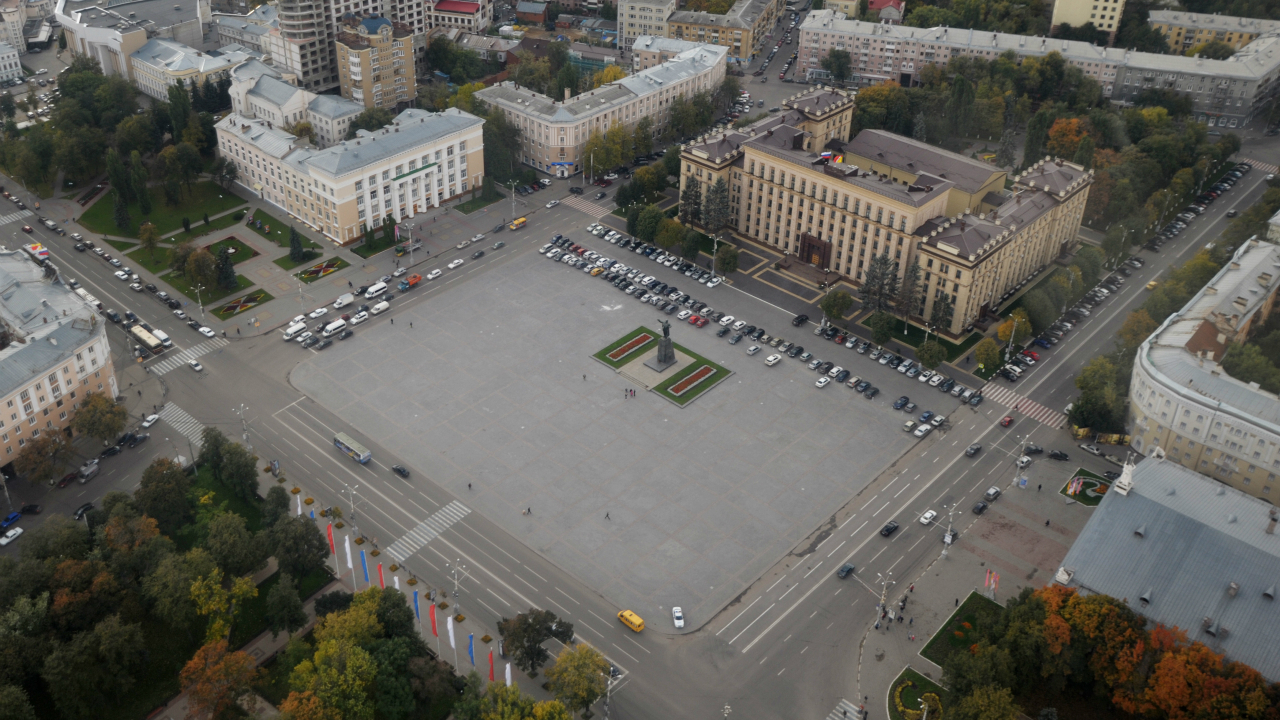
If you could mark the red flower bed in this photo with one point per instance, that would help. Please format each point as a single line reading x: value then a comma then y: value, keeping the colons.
x: 635, y: 344
x: 692, y: 380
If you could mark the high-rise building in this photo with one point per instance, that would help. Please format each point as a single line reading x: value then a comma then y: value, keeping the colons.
x: 643, y: 17
x: 303, y: 43
x: 1104, y: 14
x: 375, y: 62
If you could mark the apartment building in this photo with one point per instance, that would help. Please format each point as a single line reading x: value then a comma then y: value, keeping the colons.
x: 1186, y: 30
x: 1183, y: 403
x: 799, y: 186
x: 421, y: 160
x: 1225, y: 93
x: 375, y: 62
x: 159, y: 64
x: 652, y: 50
x: 889, y: 11
x: 53, y: 351
x: 645, y: 17
x: 248, y: 29
x: 112, y: 31
x: 1104, y: 14
x: 10, y: 66
x: 742, y: 29
x: 554, y: 133
x: 261, y: 92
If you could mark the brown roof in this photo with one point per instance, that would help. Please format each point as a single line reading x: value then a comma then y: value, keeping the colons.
x: 913, y: 156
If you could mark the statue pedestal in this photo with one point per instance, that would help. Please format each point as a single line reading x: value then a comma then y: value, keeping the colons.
x: 665, y: 358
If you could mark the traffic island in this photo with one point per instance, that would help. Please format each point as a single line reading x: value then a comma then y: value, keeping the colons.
x: 970, y: 622
x: 912, y: 693
x: 239, y: 305
x: 636, y: 356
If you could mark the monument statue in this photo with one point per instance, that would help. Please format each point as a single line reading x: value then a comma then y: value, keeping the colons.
x: 666, y: 328
x: 666, y: 353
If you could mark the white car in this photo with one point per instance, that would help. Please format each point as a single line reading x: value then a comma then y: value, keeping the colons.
x: 195, y: 365
x: 924, y: 376
x: 726, y: 321
x: 179, y: 314
x: 822, y: 382
x: 923, y: 430
x: 399, y: 272
x: 150, y: 420
x: 683, y: 314
x: 937, y: 420
x: 297, y: 319
x: 318, y: 312
x: 1091, y: 449
x: 611, y: 176
x: 853, y: 340
x: 543, y: 250
x: 122, y: 275
x: 478, y: 238
x: 455, y: 264
x: 10, y: 536
x: 434, y: 274
x: 462, y: 244
x: 928, y: 517
x: 739, y: 325
x: 1023, y: 462
x: 753, y: 349
x: 553, y: 203
x: 835, y: 371
x: 359, y: 317
x: 936, y: 380
x: 136, y: 287
x: 772, y: 360
x: 207, y: 332
x: 713, y: 282
x: 677, y: 616
x: 303, y: 337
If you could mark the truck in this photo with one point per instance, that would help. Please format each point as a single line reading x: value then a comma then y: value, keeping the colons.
x: 343, y: 300
x: 404, y: 248
x: 411, y: 281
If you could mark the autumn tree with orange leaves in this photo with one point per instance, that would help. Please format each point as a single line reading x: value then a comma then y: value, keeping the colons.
x: 215, y: 680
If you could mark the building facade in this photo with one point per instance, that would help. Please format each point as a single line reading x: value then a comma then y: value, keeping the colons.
x: 1183, y: 402
x: 54, y: 350
x: 248, y: 29
x: 375, y: 62
x: 643, y: 18
x: 554, y: 133
x: 160, y: 64
x: 419, y: 161
x: 1104, y: 14
x: 259, y: 91
x: 742, y: 29
x: 111, y: 32
x: 10, y: 67
x: 1186, y: 30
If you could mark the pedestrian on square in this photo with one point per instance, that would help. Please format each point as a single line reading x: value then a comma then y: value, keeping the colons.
x: 393, y: 321
x: 1038, y: 488
x: 606, y: 516
x: 912, y: 588
x: 957, y: 602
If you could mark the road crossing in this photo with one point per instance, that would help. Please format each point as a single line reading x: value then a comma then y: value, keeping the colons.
x: 173, y: 362
x: 585, y: 206
x: 427, y: 530
x: 182, y: 421
x: 1259, y: 165
x: 844, y: 711
x: 1030, y: 408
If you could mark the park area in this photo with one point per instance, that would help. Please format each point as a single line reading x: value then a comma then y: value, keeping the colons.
x: 203, y: 198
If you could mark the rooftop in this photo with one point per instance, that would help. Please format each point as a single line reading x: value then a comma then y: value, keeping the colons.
x: 125, y: 16
x: 912, y: 156
x: 1186, y: 551
x: 743, y: 14
x: 1225, y: 23
x: 174, y: 57
x: 533, y: 8
x: 654, y: 43
x: 457, y: 6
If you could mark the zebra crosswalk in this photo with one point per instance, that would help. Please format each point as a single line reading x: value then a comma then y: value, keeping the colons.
x: 1259, y: 165
x: 173, y: 362
x: 427, y: 530
x: 586, y: 206
x: 182, y: 421
x: 1030, y: 408
x: 15, y: 216
x: 844, y: 711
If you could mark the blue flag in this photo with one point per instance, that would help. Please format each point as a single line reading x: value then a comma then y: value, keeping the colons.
x: 416, y: 613
x: 364, y: 564
x: 471, y: 648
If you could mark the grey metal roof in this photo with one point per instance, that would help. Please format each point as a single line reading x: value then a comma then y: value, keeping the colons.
x: 1198, y: 537
x: 243, y: 26
x: 333, y: 107
x: 251, y: 69
x: 533, y: 8
x: 270, y: 140
x: 274, y: 90
x: 167, y: 55
x: 655, y: 43
x: 411, y: 129
x: 913, y: 156
x: 150, y: 14
x: 1206, y: 21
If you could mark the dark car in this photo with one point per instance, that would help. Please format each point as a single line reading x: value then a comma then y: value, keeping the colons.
x: 345, y: 334
x: 842, y: 376
x: 795, y: 350
x: 825, y: 368
x: 82, y: 511
x: 973, y: 449
x: 1058, y: 455
x: 601, y: 195
x: 800, y: 320
x: 68, y: 479
x: 400, y: 470
x: 575, y: 190
x: 889, y: 528
x: 1111, y: 475
x: 323, y: 344
x: 139, y: 440
x: 980, y: 508
x: 845, y: 570
x: 125, y: 439
x: 722, y: 331
x: 871, y: 392
x: 30, y: 509
x: 311, y: 342
x: 862, y: 386
x: 737, y: 337
x: 897, y: 404
x: 477, y: 255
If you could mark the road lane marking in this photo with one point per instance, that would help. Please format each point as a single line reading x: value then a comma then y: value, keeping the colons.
x: 624, y: 652
x: 882, y: 507
x: 753, y: 602
x: 575, y: 602
x: 864, y: 524
x: 753, y: 622
x: 793, y: 587
x: 775, y: 582
x: 833, y: 552
x: 815, y: 567
x: 904, y: 488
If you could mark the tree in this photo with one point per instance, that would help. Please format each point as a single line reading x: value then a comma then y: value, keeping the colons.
x: 100, y: 417
x: 95, y: 667
x: 836, y: 304
x: 1084, y: 152
x: 40, y: 460
x: 284, y: 607
x: 235, y: 549
x: 727, y: 259
x: 216, y: 679
x: 839, y: 64
x: 372, y: 119
x: 649, y: 222
x: 920, y: 128
x: 14, y: 704
x: 298, y: 545
x: 120, y: 213
x: 987, y: 352
x: 296, y: 252
x: 644, y: 136
x: 118, y: 175
x: 960, y: 105
x: 212, y: 445
x: 715, y: 208
x: 1065, y: 136
x: 1213, y: 50
x: 525, y: 633
x: 671, y: 234
x: 1016, y: 327
x: 610, y: 73
x: 240, y: 471
x: 179, y: 109
x: 220, y: 604
x: 880, y: 283
x: 579, y: 677
x: 201, y: 268
x: 1006, y: 155
x: 227, y: 279
x: 691, y: 203
x: 633, y: 219
x: 149, y: 240
x: 943, y: 310
x: 931, y: 354
x: 988, y: 702
x: 162, y: 494
x: 167, y: 588
x: 340, y: 675
x: 882, y: 325
x: 275, y: 505
x: 7, y: 107
x: 138, y: 183
x: 908, y: 297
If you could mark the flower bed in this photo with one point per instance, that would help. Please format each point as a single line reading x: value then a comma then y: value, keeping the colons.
x: 635, y: 344
x: 692, y: 380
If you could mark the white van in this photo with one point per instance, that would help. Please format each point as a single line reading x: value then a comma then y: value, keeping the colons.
x: 294, y: 331
x: 343, y: 300
x: 163, y: 337
x: 380, y: 308
x: 375, y: 291
x: 334, y: 328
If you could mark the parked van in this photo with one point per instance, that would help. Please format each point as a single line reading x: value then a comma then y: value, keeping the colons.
x: 163, y: 337
x: 88, y: 470
x: 294, y: 331
x: 380, y: 308
x: 375, y: 291
x: 631, y: 620
x: 343, y: 301
x: 334, y: 328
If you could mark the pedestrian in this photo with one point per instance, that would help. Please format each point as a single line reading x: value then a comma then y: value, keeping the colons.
x: 237, y: 331
x: 606, y: 516
x: 140, y: 395
x: 468, y: 486
x: 912, y: 621
x: 1038, y: 488
x: 1046, y: 523
x: 899, y: 618
x: 393, y: 321
x: 957, y: 602
x: 584, y: 378
x: 410, y: 324
x: 877, y: 624
x: 529, y: 511
x: 912, y: 588
x: 349, y: 284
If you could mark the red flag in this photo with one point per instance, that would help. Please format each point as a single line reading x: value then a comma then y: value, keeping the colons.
x: 332, y: 549
x: 433, y: 620
x: 381, y: 583
x: 490, y: 665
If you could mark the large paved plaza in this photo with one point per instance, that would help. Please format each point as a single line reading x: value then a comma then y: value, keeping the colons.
x: 488, y: 388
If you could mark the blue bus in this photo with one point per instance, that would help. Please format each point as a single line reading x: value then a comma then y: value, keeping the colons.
x: 346, y: 444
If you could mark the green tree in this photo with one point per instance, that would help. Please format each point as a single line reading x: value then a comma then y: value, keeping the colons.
x: 715, y: 207
x: 226, y: 270
x: 920, y: 128
x: 393, y: 690
x: 525, y: 634
x: 882, y: 325
x: 1006, y: 154
x: 7, y: 107
x: 943, y: 310
x: 931, y: 354
x: 671, y: 234
x: 100, y: 416
x: 987, y: 352
x: 298, y: 545
x: 236, y: 550
x: 95, y: 667
x: 633, y: 219
x: 201, y: 269
x: 138, y: 183
x: 372, y: 119
x: 167, y: 589
x: 284, y: 607
x: 1084, y: 152
x: 880, y: 283
x: 212, y: 445
x: 691, y: 203
x: 118, y: 175
x: 649, y: 222
x: 960, y: 105
x: 162, y: 494
x: 1212, y: 50
x: 41, y: 459
x: 120, y: 214
x: 240, y: 471
x: 296, y: 252
x: 1040, y: 310
x: 580, y: 677
x: 179, y: 109
x: 836, y: 304
x: 727, y: 259
x: 14, y: 704
x: 275, y: 505
x: 839, y: 64
x: 988, y: 702
x: 149, y: 239
x: 908, y: 300
x: 643, y: 136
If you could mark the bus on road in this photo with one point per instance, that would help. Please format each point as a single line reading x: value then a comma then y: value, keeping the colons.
x: 346, y: 444
x: 147, y: 340
x: 518, y: 223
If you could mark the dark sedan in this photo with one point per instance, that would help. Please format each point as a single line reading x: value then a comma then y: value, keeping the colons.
x: 889, y: 528
x: 897, y: 404
x: 800, y: 320
x: 400, y: 470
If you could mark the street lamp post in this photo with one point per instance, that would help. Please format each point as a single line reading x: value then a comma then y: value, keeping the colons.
x: 454, y: 569
x: 350, y: 490
x: 885, y: 580
x: 200, y: 302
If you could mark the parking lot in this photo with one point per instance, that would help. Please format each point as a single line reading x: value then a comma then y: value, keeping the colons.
x: 491, y: 384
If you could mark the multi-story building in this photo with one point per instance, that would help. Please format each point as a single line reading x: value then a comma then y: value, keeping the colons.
x: 160, y: 64
x: 797, y: 186
x: 489, y: 47
x: 302, y: 43
x: 1186, y: 30
x: 248, y: 29
x: 259, y: 91
x: 890, y: 11
x: 10, y: 66
x: 468, y: 16
x: 111, y: 32
x: 375, y: 62
x: 553, y: 133
x: 1104, y: 14
x: 1182, y: 401
x: 652, y: 50
x: 742, y: 29
x: 54, y: 351
x: 638, y: 18
x: 419, y: 161
x: 13, y: 17
x: 1225, y: 93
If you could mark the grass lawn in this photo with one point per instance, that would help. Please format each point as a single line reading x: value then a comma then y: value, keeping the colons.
x: 914, y: 686
x: 719, y: 372
x: 288, y: 263
x: 1093, y: 488
x: 241, y: 252
x: 204, y: 197
x: 321, y: 269
x: 122, y: 245
x: 203, y: 484
x: 380, y: 242
x: 963, y: 628
x: 215, y: 224
x: 144, y: 258
x: 482, y: 201
x: 279, y: 231
x: 208, y: 296
x: 241, y: 304
x: 603, y: 355
x: 251, y: 621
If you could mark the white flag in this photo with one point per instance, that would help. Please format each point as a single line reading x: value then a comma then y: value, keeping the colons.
x: 450, y: 624
x: 299, y: 503
x: 508, y: 674
x: 397, y: 579
x: 349, y: 566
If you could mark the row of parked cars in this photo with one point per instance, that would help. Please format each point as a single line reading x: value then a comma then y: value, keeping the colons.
x: 1197, y: 208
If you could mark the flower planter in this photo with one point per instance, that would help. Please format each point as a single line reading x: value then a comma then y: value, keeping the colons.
x: 459, y: 617
x: 443, y: 605
x: 413, y: 581
x: 308, y: 501
x: 339, y: 524
x: 359, y: 541
x: 692, y: 380
x: 374, y: 553
x: 394, y: 567
x: 486, y: 639
x: 631, y: 346
x: 296, y: 490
